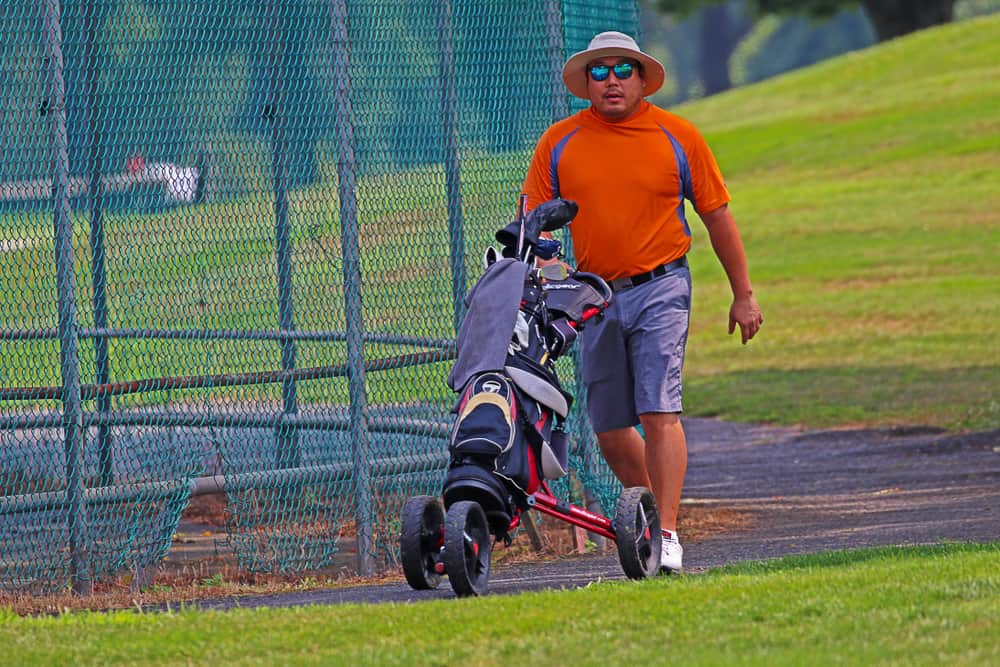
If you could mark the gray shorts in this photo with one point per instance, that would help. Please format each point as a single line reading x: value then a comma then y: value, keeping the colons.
x: 631, y: 361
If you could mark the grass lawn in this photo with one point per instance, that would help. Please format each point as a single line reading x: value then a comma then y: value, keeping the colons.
x: 921, y: 605
x: 867, y: 189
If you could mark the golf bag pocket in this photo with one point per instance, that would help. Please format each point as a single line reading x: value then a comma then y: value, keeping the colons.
x: 561, y: 336
x: 487, y: 417
x: 555, y: 455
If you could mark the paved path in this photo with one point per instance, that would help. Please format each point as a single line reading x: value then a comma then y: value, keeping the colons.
x: 806, y: 491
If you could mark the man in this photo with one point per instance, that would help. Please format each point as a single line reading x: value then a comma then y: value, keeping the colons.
x: 630, y: 165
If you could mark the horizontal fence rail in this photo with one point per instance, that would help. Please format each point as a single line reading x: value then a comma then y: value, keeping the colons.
x: 230, y: 420
x: 226, y: 334
x: 88, y: 391
x: 200, y: 486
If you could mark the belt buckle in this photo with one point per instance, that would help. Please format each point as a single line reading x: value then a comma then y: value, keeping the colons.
x: 623, y: 283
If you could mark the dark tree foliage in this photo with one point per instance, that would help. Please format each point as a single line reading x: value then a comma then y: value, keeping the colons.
x: 894, y: 18
x: 716, y: 29
x: 721, y: 28
x: 890, y: 18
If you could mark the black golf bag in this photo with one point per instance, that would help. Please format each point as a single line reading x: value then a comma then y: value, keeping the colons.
x: 508, y: 432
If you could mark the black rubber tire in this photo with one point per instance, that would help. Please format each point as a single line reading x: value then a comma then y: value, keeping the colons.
x: 637, y: 533
x: 421, y: 541
x: 468, y: 546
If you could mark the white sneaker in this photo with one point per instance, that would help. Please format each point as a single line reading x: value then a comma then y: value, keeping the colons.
x: 671, y: 553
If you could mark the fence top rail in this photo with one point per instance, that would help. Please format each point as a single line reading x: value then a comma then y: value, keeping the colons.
x: 225, y: 334
x: 93, y: 391
x: 333, y: 417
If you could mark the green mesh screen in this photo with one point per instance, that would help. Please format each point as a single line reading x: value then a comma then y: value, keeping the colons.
x: 234, y: 239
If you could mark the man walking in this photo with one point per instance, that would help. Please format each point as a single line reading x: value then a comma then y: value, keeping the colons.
x: 630, y: 166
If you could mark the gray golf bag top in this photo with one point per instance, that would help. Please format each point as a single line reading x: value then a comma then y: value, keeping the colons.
x: 508, y: 431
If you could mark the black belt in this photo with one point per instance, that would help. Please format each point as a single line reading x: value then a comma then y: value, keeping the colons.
x: 628, y: 282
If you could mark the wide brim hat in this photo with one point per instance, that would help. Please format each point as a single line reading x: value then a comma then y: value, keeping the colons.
x: 607, y: 45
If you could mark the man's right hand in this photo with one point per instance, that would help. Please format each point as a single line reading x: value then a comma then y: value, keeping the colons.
x: 539, y: 262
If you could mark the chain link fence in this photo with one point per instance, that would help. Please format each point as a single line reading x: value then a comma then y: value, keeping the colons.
x: 234, y: 240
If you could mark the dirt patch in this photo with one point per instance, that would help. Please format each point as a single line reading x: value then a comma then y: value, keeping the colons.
x: 695, y: 521
x: 700, y: 521
x: 209, y: 509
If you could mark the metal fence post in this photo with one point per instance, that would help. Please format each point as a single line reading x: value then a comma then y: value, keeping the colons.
x: 98, y: 276
x: 555, y: 49
x: 449, y: 145
x: 276, y: 113
x: 346, y: 192
x: 66, y: 299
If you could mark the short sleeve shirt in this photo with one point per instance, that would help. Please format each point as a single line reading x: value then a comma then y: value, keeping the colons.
x: 630, y: 179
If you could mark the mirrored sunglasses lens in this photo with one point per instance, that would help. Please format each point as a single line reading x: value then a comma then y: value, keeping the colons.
x: 624, y: 70
x: 599, y: 72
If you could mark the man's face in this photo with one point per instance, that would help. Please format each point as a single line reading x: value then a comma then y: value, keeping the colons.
x: 616, y: 97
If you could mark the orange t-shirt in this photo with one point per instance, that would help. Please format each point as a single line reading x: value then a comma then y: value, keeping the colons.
x: 630, y: 180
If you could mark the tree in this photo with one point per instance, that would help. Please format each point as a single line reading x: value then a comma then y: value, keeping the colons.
x: 890, y: 18
x: 710, y: 35
x: 721, y: 27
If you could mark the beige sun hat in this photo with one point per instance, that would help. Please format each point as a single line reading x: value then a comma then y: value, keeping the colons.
x: 608, y: 44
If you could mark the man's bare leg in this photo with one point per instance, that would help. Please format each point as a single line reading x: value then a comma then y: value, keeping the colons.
x: 625, y: 452
x: 659, y: 463
x: 665, y: 462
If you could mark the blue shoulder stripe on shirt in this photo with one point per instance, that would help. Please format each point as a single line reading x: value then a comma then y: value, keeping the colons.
x: 687, y: 187
x: 554, y: 158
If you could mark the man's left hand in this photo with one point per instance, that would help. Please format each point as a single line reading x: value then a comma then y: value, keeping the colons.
x: 746, y: 313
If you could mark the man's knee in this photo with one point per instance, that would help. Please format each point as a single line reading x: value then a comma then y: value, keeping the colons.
x: 616, y: 437
x: 653, y: 419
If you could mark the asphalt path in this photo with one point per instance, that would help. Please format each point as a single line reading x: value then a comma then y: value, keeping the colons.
x: 805, y: 492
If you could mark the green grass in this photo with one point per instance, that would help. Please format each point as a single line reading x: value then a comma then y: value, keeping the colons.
x: 919, y: 605
x: 867, y: 189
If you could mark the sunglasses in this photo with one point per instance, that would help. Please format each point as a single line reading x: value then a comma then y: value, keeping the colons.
x: 622, y: 71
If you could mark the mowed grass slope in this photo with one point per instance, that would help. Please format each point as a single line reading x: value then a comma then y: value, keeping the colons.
x: 867, y: 191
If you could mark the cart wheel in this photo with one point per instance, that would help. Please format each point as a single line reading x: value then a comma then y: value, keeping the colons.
x: 637, y: 533
x: 421, y: 541
x: 468, y: 546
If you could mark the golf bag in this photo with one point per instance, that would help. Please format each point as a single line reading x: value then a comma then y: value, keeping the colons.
x: 508, y: 432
